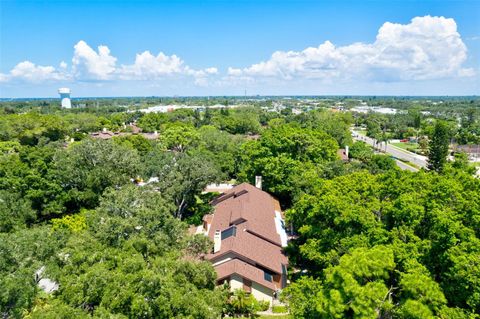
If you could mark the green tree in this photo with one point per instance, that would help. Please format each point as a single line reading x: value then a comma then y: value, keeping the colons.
x: 179, y: 137
x: 15, y: 211
x: 438, y: 147
x: 135, y: 260
x: 87, y: 168
x: 427, y: 222
x: 152, y: 122
x: 181, y: 176
x: 137, y: 142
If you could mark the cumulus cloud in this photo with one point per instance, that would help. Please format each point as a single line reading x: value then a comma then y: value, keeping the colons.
x: 426, y: 48
x: 211, y: 70
x: 148, y: 66
x: 28, y: 71
x: 89, y: 64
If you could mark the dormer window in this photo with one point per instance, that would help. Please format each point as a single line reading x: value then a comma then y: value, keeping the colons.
x: 267, y: 276
x: 231, y: 231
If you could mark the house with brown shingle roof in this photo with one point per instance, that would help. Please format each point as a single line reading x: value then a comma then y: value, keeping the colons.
x: 249, y: 236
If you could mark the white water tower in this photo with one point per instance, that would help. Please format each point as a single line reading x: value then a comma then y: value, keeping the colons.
x: 65, y: 97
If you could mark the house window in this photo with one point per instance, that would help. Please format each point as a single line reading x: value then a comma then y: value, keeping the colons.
x: 267, y: 276
x: 231, y: 231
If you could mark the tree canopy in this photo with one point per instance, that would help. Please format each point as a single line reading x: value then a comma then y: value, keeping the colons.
x: 104, y: 222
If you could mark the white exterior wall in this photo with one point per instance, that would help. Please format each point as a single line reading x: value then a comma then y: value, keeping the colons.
x: 236, y: 282
x: 258, y: 291
x: 262, y: 293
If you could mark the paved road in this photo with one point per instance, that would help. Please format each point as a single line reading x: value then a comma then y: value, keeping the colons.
x: 396, y: 152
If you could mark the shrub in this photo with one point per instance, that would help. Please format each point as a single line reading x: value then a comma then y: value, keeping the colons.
x: 263, y: 305
x: 241, y: 304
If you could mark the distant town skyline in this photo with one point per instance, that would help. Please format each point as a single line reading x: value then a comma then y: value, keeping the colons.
x: 165, y: 48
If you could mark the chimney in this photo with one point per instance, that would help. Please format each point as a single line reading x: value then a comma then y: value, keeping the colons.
x: 217, y: 241
x: 346, y: 150
x: 258, y: 182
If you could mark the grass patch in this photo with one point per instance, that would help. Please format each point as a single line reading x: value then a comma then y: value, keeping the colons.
x: 279, y: 309
x: 412, y: 147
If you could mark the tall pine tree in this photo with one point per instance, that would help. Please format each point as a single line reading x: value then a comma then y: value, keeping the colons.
x: 438, y: 147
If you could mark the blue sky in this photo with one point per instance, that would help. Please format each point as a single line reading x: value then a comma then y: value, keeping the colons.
x: 224, y: 47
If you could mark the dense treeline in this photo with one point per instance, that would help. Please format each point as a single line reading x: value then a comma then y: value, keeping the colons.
x: 392, y: 245
x: 372, y: 241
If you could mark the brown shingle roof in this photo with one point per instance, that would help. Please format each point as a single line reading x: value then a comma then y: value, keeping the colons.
x: 254, y: 249
x: 254, y: 246
x: 104, y: 135
x: 245, y: 270
x: 247, y: 203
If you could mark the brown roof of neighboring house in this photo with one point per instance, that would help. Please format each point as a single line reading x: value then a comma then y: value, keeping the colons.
x: 246, y: 203
x: 245, y: 270
x: 103, y: 134
x: 135, y: 129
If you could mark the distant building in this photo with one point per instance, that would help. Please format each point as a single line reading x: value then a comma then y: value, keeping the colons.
x: 248, y: 233
x: 65, y: 97
x: 375, y: 109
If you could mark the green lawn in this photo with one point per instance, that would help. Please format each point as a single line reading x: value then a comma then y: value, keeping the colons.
x: 406, y: 146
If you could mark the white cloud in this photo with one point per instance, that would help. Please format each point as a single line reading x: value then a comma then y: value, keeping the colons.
x: 234, y: 71
x: 100, y: 65
x: 148, y: 66
x: 91, y: 65
x: 211, y: 70
x: 28, y: 71
x: 426, y: 48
